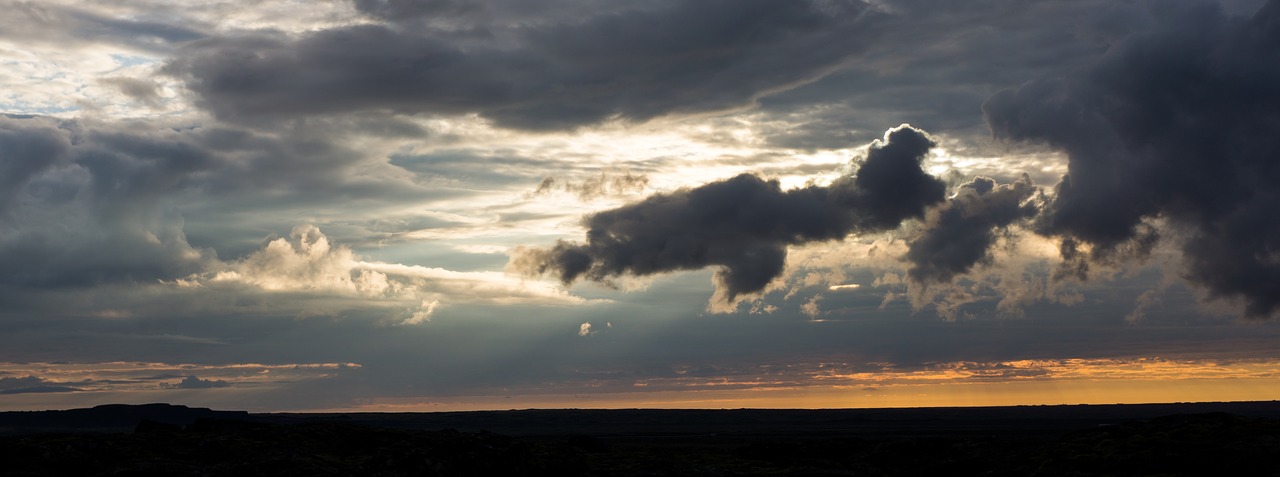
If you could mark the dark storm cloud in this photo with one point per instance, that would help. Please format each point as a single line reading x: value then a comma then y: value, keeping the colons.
x: 745, y: 223
x: 670, y: 57
x: 90, y: 211
x: 1179, y: 123
x: 965, y: 229
x: 937, y: 61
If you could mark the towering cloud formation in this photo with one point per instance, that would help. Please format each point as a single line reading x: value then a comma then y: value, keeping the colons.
x: 744, y: 224
x: 1179, y: 123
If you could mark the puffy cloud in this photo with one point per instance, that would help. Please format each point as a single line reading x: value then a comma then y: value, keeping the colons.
x: 960, y: 234
x: 810, y: 308
x: 633, y: 64
x: 307, y: 264
x: 193, y: 382
x: 1177, y: 123
x: 745, y: 223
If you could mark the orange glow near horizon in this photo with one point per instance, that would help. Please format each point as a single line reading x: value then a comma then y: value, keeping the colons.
x: 1028, y: 393
x: 794, y: 386
x: 1076, y: 381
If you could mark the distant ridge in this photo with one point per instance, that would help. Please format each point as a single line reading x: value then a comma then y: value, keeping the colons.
x: 631, y: 422
x: 879, y: 421
x: 108, y: 418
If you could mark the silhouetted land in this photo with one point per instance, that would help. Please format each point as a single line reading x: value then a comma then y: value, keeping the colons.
x: 159, y: 439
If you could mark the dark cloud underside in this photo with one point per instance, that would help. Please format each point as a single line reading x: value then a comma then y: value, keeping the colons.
x: 1181, y: 123
x: 745, y: 223
x: 670, y: 57
x: 965, y: 228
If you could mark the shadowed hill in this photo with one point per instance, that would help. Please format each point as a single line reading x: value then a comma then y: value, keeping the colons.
x: 108, y: 418
x: 1120, y: 440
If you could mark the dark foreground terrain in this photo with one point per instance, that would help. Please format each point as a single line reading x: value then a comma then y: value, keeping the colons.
x: 1166, y: 439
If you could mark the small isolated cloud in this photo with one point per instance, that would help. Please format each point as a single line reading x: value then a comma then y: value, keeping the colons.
x: 810, y: 308
x: 192, y: 382
x: 143, y: 91
x: 603, y: 185
x: 584, y: 330
x: 423, y: 314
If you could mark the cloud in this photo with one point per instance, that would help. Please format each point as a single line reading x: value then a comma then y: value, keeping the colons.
x: 48, y: 22
x: 86, y: 203
x: 960, y: 234
x: 192, y: 382
x: 334, y: 278
x: 306, y: 262
x: 144, y: 91
x: 602, y: 64
x: 400, y: 10
x: 30, y: 146
x: 94, y: 219
x: 593, y: 187
x: 82, y: 205
x: 810, y: 308
x: 1176, y: 123
x: 31, y: 385
x: 744, y: 224
x: 584, y: 330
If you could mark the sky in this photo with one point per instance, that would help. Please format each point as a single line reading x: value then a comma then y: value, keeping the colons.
x: 379, y: 205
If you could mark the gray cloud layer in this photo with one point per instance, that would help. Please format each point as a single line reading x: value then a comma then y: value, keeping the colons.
x: 634, y: 64
x: 744, y: 224
x: 1177, y: 123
